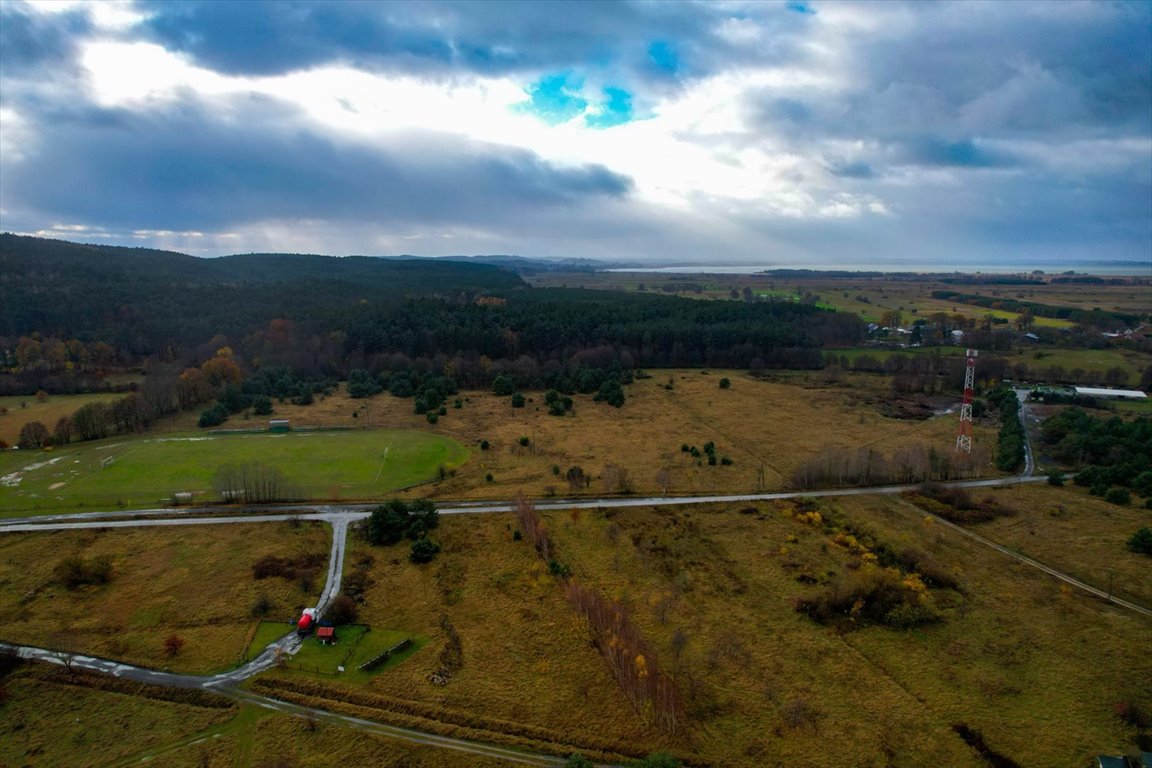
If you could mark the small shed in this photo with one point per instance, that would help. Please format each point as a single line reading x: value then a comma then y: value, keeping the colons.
x: 326, y: 635
x: 278, y: 425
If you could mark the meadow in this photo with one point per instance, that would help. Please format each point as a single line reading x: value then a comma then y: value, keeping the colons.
x: 766, y: 427
x: 51, y: 718
x: 869, y: 296
x: 1036, y: 668
x: 148, y: 471
x: 18, y: 410
x: 195, y: 582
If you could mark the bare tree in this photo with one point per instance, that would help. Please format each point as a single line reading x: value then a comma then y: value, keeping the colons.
x: 664, y: 479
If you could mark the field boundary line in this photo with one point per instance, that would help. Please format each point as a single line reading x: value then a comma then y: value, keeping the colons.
x: 1064, y: 577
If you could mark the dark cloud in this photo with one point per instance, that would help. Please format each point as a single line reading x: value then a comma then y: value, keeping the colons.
x: 205, y: 166
x: 31, y: 41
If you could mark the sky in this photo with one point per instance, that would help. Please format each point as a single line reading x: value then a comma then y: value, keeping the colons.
x: 782, y: 133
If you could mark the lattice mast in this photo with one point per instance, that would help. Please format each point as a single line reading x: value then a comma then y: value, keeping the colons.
x: 964, y: 439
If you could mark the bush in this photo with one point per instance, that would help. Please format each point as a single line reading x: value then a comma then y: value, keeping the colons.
x: 261, y: 608
x: 342, y: 610
x: 524, y: 442
x: 1119, y: 496
x: 503, y: 386
x: 517, y: 400
x: 173, y: 644
x: 1141, y: 541
x: 392, y: 521
x: 484, y: 445
x: 423, y: 550
x: 75, y: 571
x: 725, y: 383
x: 1056, y: 478
x: 432, y: 417
x: 214, y: 416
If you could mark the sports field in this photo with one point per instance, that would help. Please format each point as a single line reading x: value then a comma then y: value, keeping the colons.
x: 148, y: 471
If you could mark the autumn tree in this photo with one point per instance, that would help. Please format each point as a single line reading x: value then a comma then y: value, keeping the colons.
x: 33, y: 435
x: 62, y: 435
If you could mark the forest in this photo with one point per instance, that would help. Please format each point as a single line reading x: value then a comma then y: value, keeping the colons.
x: 73, y: 310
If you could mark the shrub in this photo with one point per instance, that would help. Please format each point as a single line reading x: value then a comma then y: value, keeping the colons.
x: 261, y: 608
x: 503, y: 386
x: 173, y: 644
x: 423, y: 550
x: 342, y: 610
x: 1141, y: 541
x: 484, y: 445
x: 1118, y: 496
x: 517, y: 400
x: 524, y: 442
x: 488, y: 477
x: 1056, y: 478
x: 214, y: 416
x: 432, y: 417
x: 75, y: 571
x: 392, y: 521
x: 725, y: 383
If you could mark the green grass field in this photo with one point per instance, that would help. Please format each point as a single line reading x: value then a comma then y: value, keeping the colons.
x: 146, y: 472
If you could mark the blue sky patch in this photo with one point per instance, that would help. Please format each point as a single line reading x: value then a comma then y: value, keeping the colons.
x: 616, y: 109
x: 556, y: 98
x: 799, y: 6
x: 664, y: 57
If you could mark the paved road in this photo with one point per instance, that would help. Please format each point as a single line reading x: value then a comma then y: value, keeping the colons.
x: 353, y: 512
x: 1029, y: 460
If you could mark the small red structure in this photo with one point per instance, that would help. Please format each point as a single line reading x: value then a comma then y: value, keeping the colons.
x: 305, y: 623
x: 326, y: 635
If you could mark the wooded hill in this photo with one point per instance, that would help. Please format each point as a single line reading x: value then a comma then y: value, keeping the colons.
x: 320, y: 314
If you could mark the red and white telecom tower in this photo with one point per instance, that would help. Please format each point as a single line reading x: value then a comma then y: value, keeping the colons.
x: 964, y: 439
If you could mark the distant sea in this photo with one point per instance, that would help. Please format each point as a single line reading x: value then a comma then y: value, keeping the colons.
x: 1114, y: 268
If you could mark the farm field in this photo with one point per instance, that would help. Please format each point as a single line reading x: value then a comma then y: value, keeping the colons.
x: 869, y: 297
x: 148, y: 471
x: 195, y: 582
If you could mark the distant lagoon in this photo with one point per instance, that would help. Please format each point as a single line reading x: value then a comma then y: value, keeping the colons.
x: 1115, y: 268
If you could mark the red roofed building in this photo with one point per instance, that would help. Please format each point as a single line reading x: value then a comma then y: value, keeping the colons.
x: 326, y: 635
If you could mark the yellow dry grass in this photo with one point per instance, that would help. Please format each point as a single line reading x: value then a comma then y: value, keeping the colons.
x: 1037, y: 670
x: 1080, y: 534
x: 302, y: 746
x: 16, y: 411
x: 193, y: 581
x: 47, y: 723
x: 527, y: 657
x: 777, y: 423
